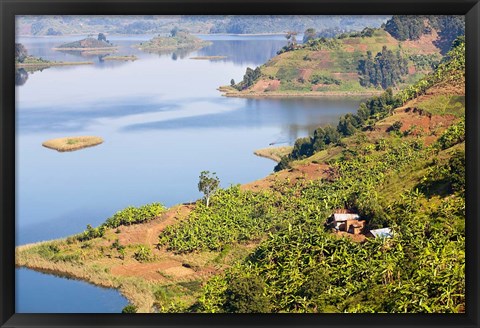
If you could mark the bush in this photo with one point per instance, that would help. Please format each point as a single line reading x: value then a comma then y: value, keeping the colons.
x: 143, y: 254
x: 246, y: 295
x: 130, y: 308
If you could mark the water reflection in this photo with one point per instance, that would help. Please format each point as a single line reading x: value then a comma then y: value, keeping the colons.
x: 242, y: 52
x: 21, y: 76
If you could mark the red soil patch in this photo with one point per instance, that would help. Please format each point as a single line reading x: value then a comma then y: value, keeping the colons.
x: 305, y: 73
x: 309, y: 171
x: 148, y: 233
x: 266, y: 85
x: 345, y: 76
x: 425, y: 44
x: 362, y: 47
x: 153, y: 271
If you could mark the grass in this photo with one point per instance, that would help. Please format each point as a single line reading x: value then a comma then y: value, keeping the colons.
x: 444, y: 104
x: 72, y: 143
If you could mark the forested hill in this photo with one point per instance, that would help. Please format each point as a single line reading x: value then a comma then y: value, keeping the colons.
x: 398, y: 54
x: 405, y: 27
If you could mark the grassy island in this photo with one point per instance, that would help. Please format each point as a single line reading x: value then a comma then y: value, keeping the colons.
x: 72, y: 143
x: 177, y: 39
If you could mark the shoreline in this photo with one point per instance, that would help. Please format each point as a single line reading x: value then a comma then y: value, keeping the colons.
x: 135, y: 289
x: 299, y: 95
x: 86, y: 49
x: 51, y: 64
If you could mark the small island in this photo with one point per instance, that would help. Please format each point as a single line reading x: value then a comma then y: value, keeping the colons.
x: 72, y: 143
x: 178, y: 39
x: 88, y: 44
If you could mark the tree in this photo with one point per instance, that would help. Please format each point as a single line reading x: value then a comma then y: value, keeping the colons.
x: 232, y: 82
x: 292, y: 38
x: 102, y: 37
x: 174, y: 31
x: 208, y: 184
x: 309, y: 34
x: 20, y: 52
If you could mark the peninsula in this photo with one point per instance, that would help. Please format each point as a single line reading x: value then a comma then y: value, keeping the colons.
x: 356, y: 63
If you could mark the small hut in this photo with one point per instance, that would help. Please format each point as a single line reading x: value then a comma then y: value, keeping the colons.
x: 348, y: 222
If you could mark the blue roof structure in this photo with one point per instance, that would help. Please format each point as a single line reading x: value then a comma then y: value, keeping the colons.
x: 382, y: 233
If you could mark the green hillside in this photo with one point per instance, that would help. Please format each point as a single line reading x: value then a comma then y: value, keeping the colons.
x: 352, y: 63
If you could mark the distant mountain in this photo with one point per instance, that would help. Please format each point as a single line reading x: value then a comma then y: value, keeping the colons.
x: 67, y: 25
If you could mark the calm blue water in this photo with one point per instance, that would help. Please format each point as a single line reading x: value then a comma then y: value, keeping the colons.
x: 37, y: 287
x: 163, y: 122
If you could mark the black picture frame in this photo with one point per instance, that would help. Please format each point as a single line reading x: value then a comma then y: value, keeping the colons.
x: 10, y: 8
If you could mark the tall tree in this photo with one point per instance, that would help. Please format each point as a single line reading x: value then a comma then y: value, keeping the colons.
x: 208, y: 184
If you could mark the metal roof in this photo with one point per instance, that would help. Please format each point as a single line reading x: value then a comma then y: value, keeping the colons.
x: 382, y: 233
x: 345, y: 216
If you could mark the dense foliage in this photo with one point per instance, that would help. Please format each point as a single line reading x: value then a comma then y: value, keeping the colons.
x: 385, y: 70
x: 303, y: 268
x: 250, y: 77
x: 406, y: 27
x: 20, y: 52
x: 234, y: 216
x: 412, y: 27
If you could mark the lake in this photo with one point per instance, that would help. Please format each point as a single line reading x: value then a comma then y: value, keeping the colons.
x: 163, y: 121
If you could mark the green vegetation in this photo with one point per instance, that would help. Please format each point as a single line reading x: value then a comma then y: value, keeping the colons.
x: 451, y: 70
x: 395, y: 182
x: 412, y: 27
x: 425, y: 62
x: 143, y: 254
x: 385, y: 70
x: 20, y: 52
x: 178, y: 39
x: 235, y: 216
x: 130, y: 308
x: 128, y: 216
x: 406, y: 27
x: 208, y: 185
x: 251, y: 75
